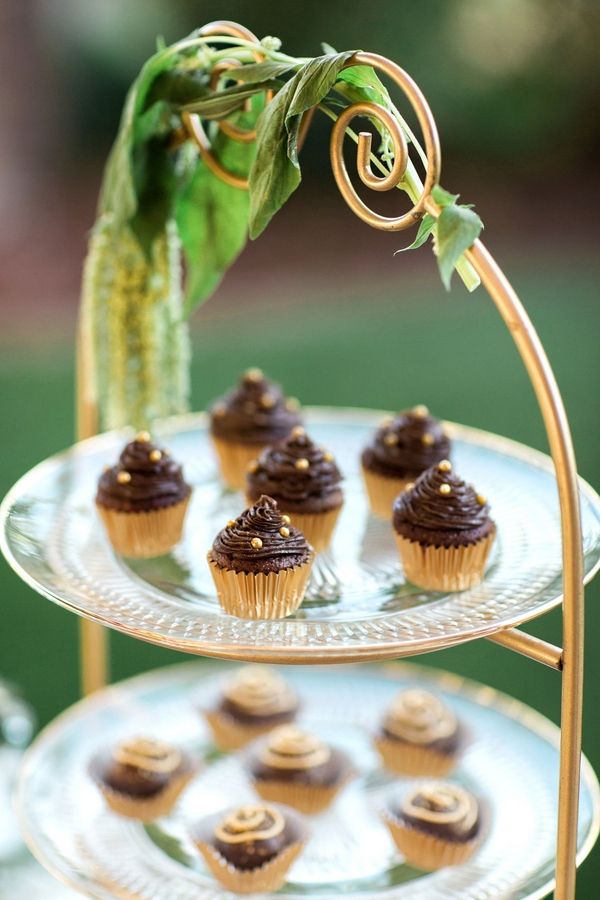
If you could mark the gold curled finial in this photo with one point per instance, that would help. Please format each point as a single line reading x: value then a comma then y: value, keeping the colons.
x: 379, y: 114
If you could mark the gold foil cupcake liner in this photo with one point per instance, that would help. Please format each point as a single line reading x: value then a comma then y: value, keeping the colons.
x: 309, y: 799
x: 403, y: 758
x: 444, y: 568
x: 317, y: 528
x: 231, y: 735
x: 234, y: 459
x: 146, y: 809
x: 144, y: 534
x: 256, y: 595
x: 382, y: 491
x: 266, y: 878
x: 427, y: 851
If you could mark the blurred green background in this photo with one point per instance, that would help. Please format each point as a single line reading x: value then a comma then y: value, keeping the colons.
x: 320, y: 302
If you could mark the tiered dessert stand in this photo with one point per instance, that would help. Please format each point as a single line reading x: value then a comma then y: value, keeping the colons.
x: 543, y: 801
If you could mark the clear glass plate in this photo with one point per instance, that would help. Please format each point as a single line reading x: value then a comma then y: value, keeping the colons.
x: 358, y: 605
x: 511, y: 763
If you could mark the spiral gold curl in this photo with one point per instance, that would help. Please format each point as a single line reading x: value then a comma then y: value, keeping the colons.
x: 377, y: 113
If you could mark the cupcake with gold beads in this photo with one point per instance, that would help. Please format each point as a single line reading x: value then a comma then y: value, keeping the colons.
x: 142, y: 500
x: 246, y: 421
x: 403, y: 447
x: 443, y: 531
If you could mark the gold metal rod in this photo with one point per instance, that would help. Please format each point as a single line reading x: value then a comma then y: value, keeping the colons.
x: 528, y: 645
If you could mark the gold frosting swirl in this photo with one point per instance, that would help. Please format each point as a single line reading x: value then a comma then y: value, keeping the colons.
x: 260, y: 690
x: 148, y: 755
x: 441, y: 803
x: 289, y: 747
x: 419, y: 717
x: 250, y: 823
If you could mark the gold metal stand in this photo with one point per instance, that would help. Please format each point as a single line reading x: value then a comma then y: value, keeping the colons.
x: 569, y: 659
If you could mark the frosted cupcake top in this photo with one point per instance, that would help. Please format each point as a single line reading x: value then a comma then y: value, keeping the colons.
x: 407, y: 444
x: 254, y: 412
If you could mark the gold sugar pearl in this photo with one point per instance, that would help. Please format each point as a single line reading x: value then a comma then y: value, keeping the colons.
x: 253, y: 375
x: 155, y: 456
x: 445, y: 489
x: 297, y: 432
x: 252, y: 466
x: 143, y: 437
x: 123, y: 477
x: 428, y: 439
x: 286, y: 520
x: 327, y: 456
x: 284, y: 532
x: 292, y: 404
x: 230, y: 523
x: 420, y: 411
x: 302, y: 464
x: 390, y: 439
x: 481, y: 499
x: 267, y: 401
x: 409, y: 486
x: 445, y: 466
x: 256, y: 543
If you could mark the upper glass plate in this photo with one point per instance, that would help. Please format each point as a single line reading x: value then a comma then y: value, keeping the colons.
x: 358, y: 605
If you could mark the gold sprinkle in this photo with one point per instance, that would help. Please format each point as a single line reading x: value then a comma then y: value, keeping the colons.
x: 252, y: 466
x: 428, y: 439
x: 420, y: 411
x: 327, y: 456
x: 481, y: 499
x: 390, y: 439
x: 284, y: 532
x: 292, y: 404
x: 445, y: 489
x: 155, y: 456
x: 256, y: 543
x: 253, y: 375
x: 123, y: 477
x: 302, y: 464
x: 409, y: 486
x: 286, y: 520
x: 267, y: 401
x: 230, y: 523
x: 142, y: 437
x: 297, y: 432
x: 445, y: 466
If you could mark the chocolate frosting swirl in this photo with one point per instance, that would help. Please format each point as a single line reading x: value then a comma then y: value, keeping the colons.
x: 260, y: 691
x: 443, y: 809
x: 146, y: 477
x: 418, y: 717
x: 260, y: 539
x: 441, y: 508
x: 139, y: 767
x: 252, y: 835
x: 250, y: 823
x: 147, y: 755
x: 407, y: 444
x: 296, y: 473
x: 255, y: 412
x: 288, y: 747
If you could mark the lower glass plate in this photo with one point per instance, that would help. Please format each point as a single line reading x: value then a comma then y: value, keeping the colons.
x: 358, y: 605
x: 511, y: 763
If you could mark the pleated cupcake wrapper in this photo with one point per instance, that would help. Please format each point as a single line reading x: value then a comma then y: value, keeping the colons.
x: 426, y: 851
x: 382, y: 491
x: 411, y: 760
x: 266, y: 878
x: 234, y: 459
x: 146, y: 809
x: 231, y: 735
x: 256, y: 595
x: 144, y: 534
x: 309, y: 799
x: 444, y: 568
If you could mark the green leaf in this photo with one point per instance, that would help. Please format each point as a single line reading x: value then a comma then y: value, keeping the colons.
x: 264, y: 71
x: 425, y: 228
x: 275, y: 174
x: 457, y: 229
x: 223, y: 103
x: 443, y: 197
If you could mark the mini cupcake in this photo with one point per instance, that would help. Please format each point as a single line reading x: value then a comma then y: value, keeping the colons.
x: 402, y: 449
x: 305, y: 482
x: 260, y: 564
x: 443, y: 531
x: 143, y: 500
x: 298, y: 768
x: 141, y: 778
x: 253, y: 702
x: 436, y: 824
x: 248, y: 419
x: 250, y: 849
x: 419, y: 735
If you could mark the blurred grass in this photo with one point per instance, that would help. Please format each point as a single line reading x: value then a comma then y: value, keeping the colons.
x: 396, y: 347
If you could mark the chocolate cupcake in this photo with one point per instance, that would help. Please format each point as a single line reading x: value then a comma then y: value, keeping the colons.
x: 248, y: 419
x: 141, y: 778
x: 436, y: 824
x: 253, y: 702
x: 143, y: 500
x: 402, y: 449
x: 305, y: 482
x: 443, y: 530
x: 297, y: 768
x: 260, y: 564
x: 419, y: 735
x: 250, y: 849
